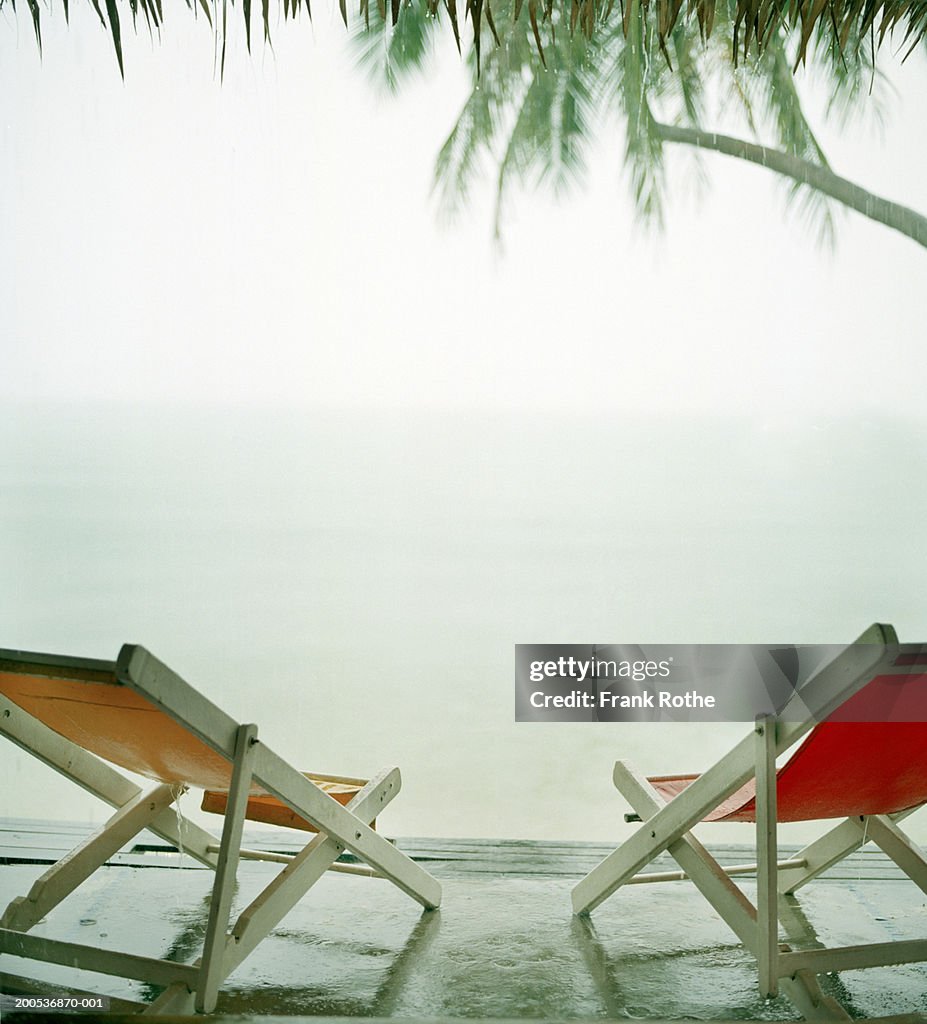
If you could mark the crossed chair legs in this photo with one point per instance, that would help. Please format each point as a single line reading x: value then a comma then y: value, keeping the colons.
x: 794, y: 973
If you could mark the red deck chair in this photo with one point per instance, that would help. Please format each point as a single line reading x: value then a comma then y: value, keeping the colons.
x: 852, y: 765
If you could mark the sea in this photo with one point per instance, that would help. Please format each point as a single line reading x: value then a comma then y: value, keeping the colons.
x: 355, y: 581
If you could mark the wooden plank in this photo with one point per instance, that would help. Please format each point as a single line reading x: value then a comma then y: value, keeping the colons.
x: 853, y: 958
x: 452, y: 857
x: 220, y: 905
x: 824, y: 853
x: 902, y: 850
x: 80, y: 863
x: 92, y: 958
x: 731, y: 870
x: 767, y: 894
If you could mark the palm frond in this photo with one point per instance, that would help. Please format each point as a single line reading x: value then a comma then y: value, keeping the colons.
x: 749, y: 25
x: 390, y: 50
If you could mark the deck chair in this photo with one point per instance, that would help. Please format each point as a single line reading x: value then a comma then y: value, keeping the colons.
x: 81, y: 717
x: 850, y: 765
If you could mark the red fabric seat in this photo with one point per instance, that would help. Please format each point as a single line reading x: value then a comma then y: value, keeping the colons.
x: 847, y: 765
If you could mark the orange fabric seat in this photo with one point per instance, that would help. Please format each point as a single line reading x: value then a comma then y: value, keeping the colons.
x: 268, y: 809
x: 87, y: 704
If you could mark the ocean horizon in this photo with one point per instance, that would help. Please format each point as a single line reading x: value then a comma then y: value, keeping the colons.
x: 356, y: 581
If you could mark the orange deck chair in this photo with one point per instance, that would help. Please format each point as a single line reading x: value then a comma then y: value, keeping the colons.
x: 854, y: 764
x: 80, y: 717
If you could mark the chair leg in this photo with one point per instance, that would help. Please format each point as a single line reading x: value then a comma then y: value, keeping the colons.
x: 767, y: 916
x: 664, y: 826
x: 720, y: 891
x: 698, y: 864
x: 271, y: 905
x: 829, y: 849
x: 896, y: 844
x: 175, y: 1000
x: 211, y: 973
x: 63, y: 877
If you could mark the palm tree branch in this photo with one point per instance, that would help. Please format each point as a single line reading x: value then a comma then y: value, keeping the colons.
x: 804, y: 172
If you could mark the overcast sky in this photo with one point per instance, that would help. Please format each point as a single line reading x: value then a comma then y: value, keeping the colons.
x: 272, y: 238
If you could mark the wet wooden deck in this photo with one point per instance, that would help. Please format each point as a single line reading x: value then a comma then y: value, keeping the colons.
x: 504, y: 945
x: 24, y: 841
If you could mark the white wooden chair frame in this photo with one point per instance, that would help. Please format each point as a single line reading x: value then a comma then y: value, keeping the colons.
x: 665, y: 827
x: 189, y: 987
